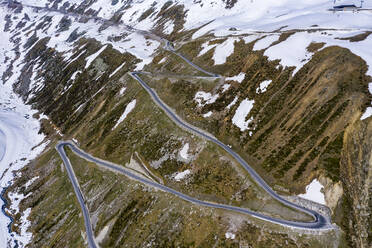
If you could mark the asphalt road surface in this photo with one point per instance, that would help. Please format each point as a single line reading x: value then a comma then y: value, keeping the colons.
x: 320, y: 222
x: 79, y: 195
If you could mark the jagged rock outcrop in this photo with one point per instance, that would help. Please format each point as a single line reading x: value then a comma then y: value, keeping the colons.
x: 332, y: 192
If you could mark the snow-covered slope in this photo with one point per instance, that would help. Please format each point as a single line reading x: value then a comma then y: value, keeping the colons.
x: 265, y: 15
x: 20, y: 141
x: 270, y: 15
x: 244, y: 18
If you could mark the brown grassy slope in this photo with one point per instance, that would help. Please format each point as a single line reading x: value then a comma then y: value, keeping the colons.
x: 89, y: 107
x: 298, y: 123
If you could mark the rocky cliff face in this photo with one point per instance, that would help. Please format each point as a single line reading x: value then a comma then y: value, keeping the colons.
x: 356, y: 176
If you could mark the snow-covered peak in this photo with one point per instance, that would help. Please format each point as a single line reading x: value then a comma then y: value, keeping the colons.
x: 222, y: 17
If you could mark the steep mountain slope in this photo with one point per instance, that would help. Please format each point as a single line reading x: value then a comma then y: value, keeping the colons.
x: 293, y: 101
x: 356, y: 174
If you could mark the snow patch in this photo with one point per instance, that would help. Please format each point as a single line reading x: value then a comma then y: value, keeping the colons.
x: 209, y: 114
x: 205, y: 47
x: 265, y: 42
x: 75, y: 141
x: 127, y: 110
x: 250, y: 38
x: 238, y: 78
x: 241, y: 113
x: 20, y: 143
x: 24, y: 236
x: 30, y: 182
x: 270, y: 15
x: 73, y: 76
x: 162, y: 60
x: 122, y: 90
x: 313, y: 192
x: 106, y: 8
x: 263, y: 86
x: 92, y: 57
x: 223, y: 51
x: 116, y: 70
x: 225, y: 87
x: 74, y: 59
x: 232, y: 103
x: 184, y: 151
x: 204, y: 98
x: 168, y: 27
x: 230, y: 235
x: 367, y: 113
x: 2, y: 145
x: 181, y: 175
x: 291, y: 52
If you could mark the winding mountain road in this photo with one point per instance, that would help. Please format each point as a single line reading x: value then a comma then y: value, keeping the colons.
x: 79, y: 195
x: 320, y: 222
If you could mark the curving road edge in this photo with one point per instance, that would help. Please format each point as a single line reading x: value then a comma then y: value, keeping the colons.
x: 79, y: 196
x: 321, y: 222
x: 318, y: 217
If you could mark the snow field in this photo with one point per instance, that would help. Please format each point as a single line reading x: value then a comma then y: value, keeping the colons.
x: 92, y: 57
x: 208, y: 114
x: 238, y: 78
x: 265, y: 42
x: 241, y: 114
x: 116, y: 70
x: 181, y: 175
x: 313, y: 192
x: 127, y: 110
x: 232, y: 103
x: 204, y: 98
x: 263, y: 86
x: 184, y: 151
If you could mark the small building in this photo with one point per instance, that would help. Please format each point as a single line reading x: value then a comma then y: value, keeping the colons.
x: 345, y: 7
